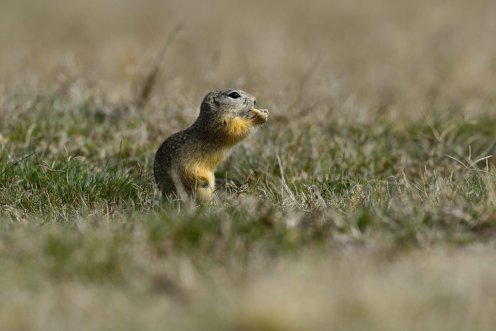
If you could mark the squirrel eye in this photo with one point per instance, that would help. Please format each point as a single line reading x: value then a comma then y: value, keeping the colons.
x: 234, y: 95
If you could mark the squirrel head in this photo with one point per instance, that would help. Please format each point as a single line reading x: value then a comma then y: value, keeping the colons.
x: 228, y: 103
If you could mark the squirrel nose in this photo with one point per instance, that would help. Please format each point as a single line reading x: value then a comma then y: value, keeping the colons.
x: 254, y: 102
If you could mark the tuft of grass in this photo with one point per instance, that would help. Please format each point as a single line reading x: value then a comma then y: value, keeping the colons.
x: 67, y: 186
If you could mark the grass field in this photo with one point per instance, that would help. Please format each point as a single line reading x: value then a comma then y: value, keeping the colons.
x: 367, y: 202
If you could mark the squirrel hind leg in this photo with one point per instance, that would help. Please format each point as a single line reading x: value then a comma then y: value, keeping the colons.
x: 204, y: 189
x: 204, y: 194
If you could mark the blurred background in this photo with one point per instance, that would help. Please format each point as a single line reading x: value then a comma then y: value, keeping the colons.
x: 303, y: 58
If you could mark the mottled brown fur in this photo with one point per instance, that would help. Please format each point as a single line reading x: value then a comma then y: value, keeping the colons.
x: 186, y: 161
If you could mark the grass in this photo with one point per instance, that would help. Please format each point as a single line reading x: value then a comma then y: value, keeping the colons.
x: 368, y: 201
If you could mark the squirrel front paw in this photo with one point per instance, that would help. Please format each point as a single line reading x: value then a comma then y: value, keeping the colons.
x: 259, y: 116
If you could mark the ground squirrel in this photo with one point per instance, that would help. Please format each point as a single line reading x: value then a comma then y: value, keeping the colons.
x: 185, y: 162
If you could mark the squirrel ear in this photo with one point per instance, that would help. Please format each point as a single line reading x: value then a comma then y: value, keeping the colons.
x: 214, y: 100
